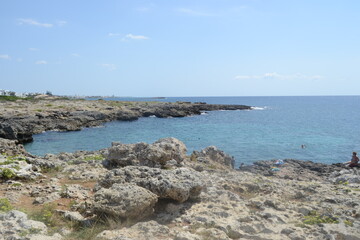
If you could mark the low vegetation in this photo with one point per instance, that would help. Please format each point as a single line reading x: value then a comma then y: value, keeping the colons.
x: 7, y: 173
x: 5, y: 205
x: 94, y: 157
x: 14, y: 98
x: 315, y: 218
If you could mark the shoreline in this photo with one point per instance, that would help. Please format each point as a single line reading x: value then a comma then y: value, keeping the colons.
x: 159, y: 190
x: 158, y: 186
x: 21, y: 119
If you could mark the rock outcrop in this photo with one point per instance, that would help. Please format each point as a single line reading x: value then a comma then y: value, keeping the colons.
x: 213, y: 157
x: 292, y: 169
x: 125, y: 201
x: 143, y: 154
x: 11, y: 148
x: 179, y: 184
x: 17, y: 167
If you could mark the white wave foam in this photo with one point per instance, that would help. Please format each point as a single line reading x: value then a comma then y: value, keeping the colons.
x: 258, y: 108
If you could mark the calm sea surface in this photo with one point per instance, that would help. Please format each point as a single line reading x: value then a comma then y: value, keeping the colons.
x: 327, y: 126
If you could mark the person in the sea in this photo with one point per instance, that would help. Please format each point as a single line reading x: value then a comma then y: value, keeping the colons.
x: 354, y: 161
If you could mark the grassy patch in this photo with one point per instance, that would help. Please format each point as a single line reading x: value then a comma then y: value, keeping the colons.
x: 94, y: 157
x: 5, y: 205
x: 46, y: 215
x: 343, y: 183
x: 14, y: 98
x: 86, y: 233
x: 348, y: 223
x: 314, y: 218
x: 29, y: 231
x: 12, y: 159
x: 51, y: 170
x: 7, y: 173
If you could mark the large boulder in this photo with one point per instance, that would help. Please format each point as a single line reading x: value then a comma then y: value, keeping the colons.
x: 212, y: 155
x: 178, y: 184
x: 125, y: 201
x: 143, y: 154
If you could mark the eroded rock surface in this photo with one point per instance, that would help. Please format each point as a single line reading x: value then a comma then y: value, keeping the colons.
x: 178, y: 184
x: 11, y: 148
x: 16, y: 225
x: 125, y: 201
x: 282, y: 200
x: 211, y: 157
x: 143, y: 154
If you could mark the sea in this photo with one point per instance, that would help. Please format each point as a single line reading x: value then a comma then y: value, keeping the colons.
x: 322, y: 129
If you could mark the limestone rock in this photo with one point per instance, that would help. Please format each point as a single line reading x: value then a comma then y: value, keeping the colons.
x: 75, y: 191
x: 17, y: 167
x: 143, y: 154
x: 142, y: 230
x: 48, y: 198
x: 74, y: 216
x: 212, y: 155
x: 11, y: 148
x: 186, y: 236
x: 179, y: 184
x: 346, y: 175
x: 85, y: 171
x: 125, y: 201
x: 16, y: 225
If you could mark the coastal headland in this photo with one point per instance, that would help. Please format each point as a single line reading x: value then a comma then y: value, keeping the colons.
x: 159, y: 191
x: 20, y: 119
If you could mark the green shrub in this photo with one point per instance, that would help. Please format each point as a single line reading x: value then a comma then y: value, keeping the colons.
x: 314, y: 218
x: 12, y: 159
x: 94, y: 157
x: 45, y: 215
x: 7, y: 173
x: 13, y: 98
x: 348, y: 223
x: 51, y: 170
x: 5, y: 205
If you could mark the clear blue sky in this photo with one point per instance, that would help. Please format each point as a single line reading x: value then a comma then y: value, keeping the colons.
x: 181, y: 48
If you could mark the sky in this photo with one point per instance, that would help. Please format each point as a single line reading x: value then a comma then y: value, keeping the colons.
x: 180, y: 48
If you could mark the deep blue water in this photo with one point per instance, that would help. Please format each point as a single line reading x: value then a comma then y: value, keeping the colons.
x: 327, y: 125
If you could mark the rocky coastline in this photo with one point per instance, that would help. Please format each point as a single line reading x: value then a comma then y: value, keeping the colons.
x: 20, y: 119
x: 147, y: 191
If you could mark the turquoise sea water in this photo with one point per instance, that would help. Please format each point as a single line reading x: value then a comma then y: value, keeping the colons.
x: 328, y: 126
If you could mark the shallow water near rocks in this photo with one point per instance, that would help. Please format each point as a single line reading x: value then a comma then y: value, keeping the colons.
x: 275, y: 129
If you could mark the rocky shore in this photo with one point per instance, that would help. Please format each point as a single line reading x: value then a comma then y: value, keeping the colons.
x: 157, y: 191
x: 147, y: 191
x: 20, y: 119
